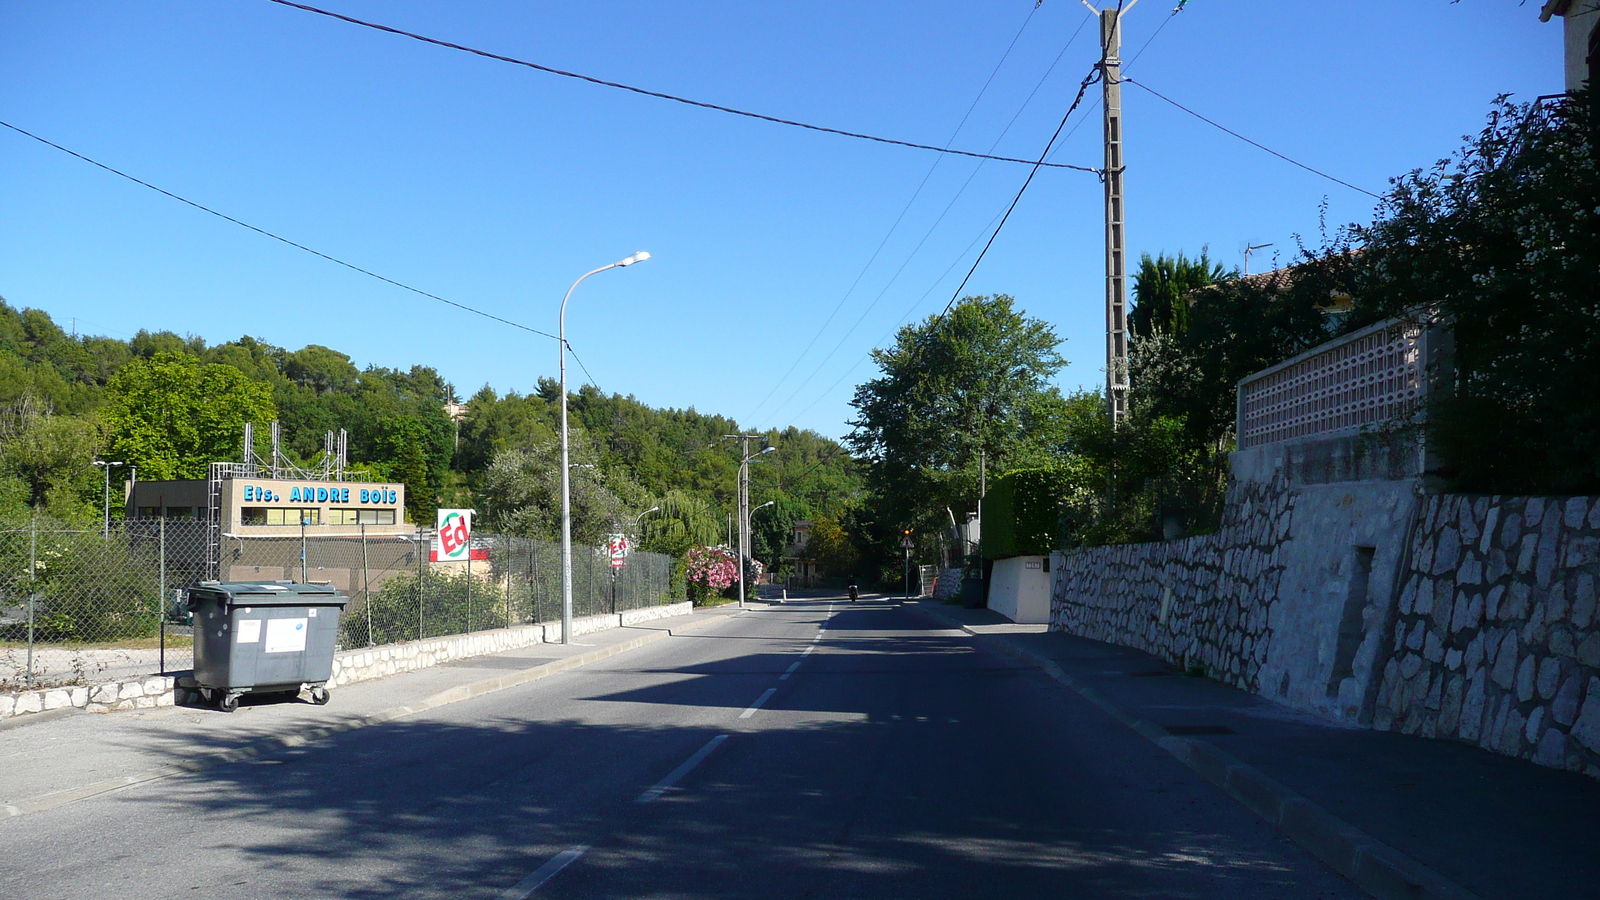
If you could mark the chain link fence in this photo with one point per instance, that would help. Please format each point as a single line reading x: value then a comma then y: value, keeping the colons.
x: 85, y: 605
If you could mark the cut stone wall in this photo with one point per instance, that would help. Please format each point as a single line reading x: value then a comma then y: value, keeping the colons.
x: 1290, y: 598
x: 349, y: 666
x: 1452, y: 616
x: 1497, y: 641
x: 1201, y: 601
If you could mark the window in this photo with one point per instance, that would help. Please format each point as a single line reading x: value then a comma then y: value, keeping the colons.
x: 258, y: 515
x: 360, y: 517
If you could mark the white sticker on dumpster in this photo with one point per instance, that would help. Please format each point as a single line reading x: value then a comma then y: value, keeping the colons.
x: 285, y: 635
x: 249, y: 631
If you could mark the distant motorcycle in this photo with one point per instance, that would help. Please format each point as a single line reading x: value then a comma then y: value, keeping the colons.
x: 853, y: 592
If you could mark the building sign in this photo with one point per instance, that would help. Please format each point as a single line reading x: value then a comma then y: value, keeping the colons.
x: 455, y: 535
x: 617, y: 546
x: 379, y: 495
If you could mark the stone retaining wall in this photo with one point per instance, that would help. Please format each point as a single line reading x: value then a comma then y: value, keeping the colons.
x: 349, y: 666
x: 1201, y: 601
x: 1497, y: 641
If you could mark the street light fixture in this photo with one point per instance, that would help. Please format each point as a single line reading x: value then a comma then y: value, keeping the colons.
x: 566, y: 472
x: 640, y: 517
x: 106, y: 466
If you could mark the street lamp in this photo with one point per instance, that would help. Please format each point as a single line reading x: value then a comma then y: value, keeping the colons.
x: 640, y: 517
x: 566, y: 479
x: 106, y: 466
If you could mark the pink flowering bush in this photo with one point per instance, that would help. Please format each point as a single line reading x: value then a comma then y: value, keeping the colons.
x: 709, y: 570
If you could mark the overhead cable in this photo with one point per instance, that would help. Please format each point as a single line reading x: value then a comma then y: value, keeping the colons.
x: 906, y: 209
x: 1083, y: 88
x: 929, y: 233
x: 265, y: 233
x: 665, y: 96
x: 1255, y: 144
x: 583, y: 367
x: 1090, y: 79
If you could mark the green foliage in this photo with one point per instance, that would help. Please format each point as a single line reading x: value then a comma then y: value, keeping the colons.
x: 1161, y: 288
x: 772, y: 529
x: 957, y: 392
x: 685, y: 520
x: 1144, y: 481
x: 1504, y: 239
x: 46, y: 459
x: 832, y: 546
x: 90, y: 589
x: 1022, y: 512
x: 522, y: 493
x: 455, y: 603
x: 171, y: 415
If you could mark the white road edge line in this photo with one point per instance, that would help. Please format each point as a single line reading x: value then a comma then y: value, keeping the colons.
x: 527, y: 886
x: 662, y: 786
x: 792, y: 667
x: 809, y: 649
x: 757, y: 705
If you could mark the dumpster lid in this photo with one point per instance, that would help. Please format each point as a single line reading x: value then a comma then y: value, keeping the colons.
x: 272, y: 593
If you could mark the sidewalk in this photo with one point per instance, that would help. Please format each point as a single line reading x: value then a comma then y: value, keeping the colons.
x: 1495, y: 826
x: 59, y: 759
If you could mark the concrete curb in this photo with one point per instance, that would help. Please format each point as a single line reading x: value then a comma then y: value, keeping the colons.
x: 312, y: 735
x: 1372, y: 865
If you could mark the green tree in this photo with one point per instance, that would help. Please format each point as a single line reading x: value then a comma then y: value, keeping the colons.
x: 522, y: 491
x: 685, y: 520
x: 172, y: 415
x: 1503, y: 242
x: 1162, y: 286
x: 957, y: 392
x: 48, y: 458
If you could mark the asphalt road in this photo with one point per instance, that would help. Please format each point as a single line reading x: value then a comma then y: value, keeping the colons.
x: 811, y: 750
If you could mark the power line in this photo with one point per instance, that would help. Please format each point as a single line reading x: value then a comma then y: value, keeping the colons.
x: 276, y: 237
x: 664, y: 96
x: 1083, y: 88
x: 1255, y: 144
x: 942, y: 214
x: 906, y: 209
x: 583, y: 367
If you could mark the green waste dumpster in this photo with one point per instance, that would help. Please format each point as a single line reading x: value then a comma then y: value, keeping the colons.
x: 263, y: 638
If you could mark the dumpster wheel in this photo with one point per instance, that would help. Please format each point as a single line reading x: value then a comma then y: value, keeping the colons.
x: 228, y: 702
x: 320, y: 695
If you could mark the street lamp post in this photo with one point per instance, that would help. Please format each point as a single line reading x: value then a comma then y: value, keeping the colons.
x: 105, y: 467
x: 566, y: 480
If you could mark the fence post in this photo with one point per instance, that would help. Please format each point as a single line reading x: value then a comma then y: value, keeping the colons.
x: 33, y: 593
x: 366, y: 586
x: 469, y: 585
x: 161, y: 587
x: 421, y: 563
x: 507, y: 564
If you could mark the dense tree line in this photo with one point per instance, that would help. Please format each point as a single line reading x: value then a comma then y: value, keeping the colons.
x: 171, y: 405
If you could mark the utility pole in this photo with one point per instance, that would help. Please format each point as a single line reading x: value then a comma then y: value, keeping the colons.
x: 1116, y: 249
x: 742, y: 503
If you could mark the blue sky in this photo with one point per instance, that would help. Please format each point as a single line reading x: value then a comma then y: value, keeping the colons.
x: 496, y: 186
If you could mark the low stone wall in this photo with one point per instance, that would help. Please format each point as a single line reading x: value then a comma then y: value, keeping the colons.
x: 1497, y: 640
x: 349, y: 666
x: 135, y: 693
